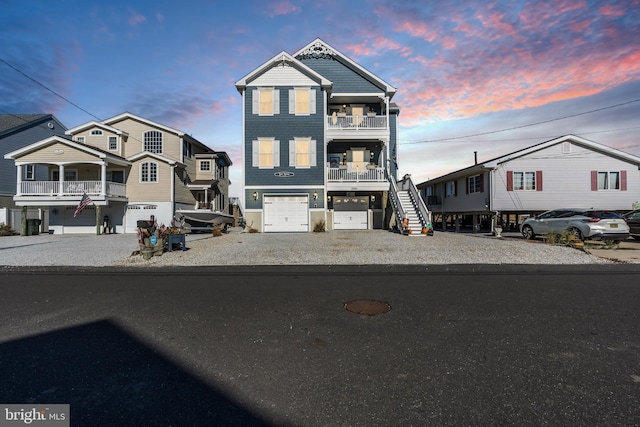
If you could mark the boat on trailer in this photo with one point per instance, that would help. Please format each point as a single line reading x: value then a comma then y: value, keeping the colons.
x: 202, y: 219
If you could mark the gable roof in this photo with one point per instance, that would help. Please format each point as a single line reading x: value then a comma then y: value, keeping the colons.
x: 160, y: 157
x: 93, y: 123
x: 282, y: 57
x: 495, y: 162
x: 112, y: 158
x: 14, y: 122
x: 128, y: 115
x: 319, y: 47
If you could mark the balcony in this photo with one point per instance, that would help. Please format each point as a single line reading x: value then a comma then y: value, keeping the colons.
x: 370, y: 178
x: 69, y: 190
x: 369, y: 126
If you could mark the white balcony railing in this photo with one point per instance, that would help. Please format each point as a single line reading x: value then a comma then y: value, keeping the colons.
x: 71, y: 188
x: 357, y: 122
x: 370, y: 174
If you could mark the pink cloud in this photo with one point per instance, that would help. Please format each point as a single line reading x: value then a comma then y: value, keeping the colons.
x: 281, y: 8
x: 377, y: 46
x: 136, y: 19
x: 611, y: 10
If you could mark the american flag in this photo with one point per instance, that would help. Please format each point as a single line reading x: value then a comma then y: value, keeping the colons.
x: 83, y: 202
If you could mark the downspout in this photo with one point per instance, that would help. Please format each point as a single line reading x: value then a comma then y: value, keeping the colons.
x: 325, y: 118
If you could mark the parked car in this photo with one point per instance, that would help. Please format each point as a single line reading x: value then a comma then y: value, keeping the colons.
x: 582, y: 223
x: 633, y: 221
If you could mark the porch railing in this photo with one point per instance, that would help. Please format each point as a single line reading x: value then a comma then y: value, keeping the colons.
x: 356, y: 174
x: 357, y: 122
x: 71, y: 188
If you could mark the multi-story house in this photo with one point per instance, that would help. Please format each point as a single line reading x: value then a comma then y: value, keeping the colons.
x: 17, y: 131
x: 565, y: 172
x: 132, y: 168
x: 319, y: 143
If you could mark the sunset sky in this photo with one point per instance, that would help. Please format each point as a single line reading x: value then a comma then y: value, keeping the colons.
x: 491, y: 77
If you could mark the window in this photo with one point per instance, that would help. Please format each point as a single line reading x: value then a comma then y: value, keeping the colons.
x: 113, y: 143
x: 266, y: 153
x: 450, y: 189
x: 69, y: 175
x: 96, y: 132
x: 149, y: 172
x: 153, y: 141
x: 80, y: 139
x: 266, y: 101
x: 302, y: 101
x: 608, y: 180
x: 302, y: 152
x: 205, y: 165
x: 524, y: 181
x: 187, y: 149
x: 115, y: 176
x: 474, y: 184
x: 29, y: 172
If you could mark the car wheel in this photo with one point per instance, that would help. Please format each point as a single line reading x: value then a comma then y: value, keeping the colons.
x: 575, y: 233
x: 527, y: 232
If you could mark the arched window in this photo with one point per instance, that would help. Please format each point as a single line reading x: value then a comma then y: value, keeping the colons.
x: 153, y: 141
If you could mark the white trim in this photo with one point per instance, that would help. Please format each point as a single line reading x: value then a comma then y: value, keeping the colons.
x: 283, y: 187
x: 140, y: 181
x: 143, y: 143
x: 128, y: 115
x: 93, y: 123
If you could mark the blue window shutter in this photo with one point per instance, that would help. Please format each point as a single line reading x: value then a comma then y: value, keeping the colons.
x: 255, y: 101
x: 312, y: 102
x: 276, y: 101
x: 276, y: 153
x: 292, y: 153
x: 292, y: 101
x: 312, y: 153
x: 255, y: 159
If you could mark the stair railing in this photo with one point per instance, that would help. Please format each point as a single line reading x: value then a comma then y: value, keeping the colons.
x: 395, y: 201
x: 421, y: 208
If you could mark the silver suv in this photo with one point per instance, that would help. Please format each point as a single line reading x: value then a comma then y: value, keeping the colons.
x: 582, y: 223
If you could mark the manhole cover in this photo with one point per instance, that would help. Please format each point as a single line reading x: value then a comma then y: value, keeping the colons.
x: 367, y: 307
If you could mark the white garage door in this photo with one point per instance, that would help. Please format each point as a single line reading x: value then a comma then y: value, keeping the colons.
x: 138, y: 212
x: 286, y: 214
x: 350, y: 220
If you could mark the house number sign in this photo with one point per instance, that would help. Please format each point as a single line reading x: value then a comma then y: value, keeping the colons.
x: 283, y: 174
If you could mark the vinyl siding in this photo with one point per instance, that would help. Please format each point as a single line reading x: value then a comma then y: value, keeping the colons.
x: 182, y: 193
x: 566, y: 181
x: 171, y: 144
x: 69, y: 154
x: 149, y: 192
x: 284, y: 127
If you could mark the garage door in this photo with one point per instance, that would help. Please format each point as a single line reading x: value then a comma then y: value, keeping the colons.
x: 286, y: 214
x: 138, y: 212
x: 350, y: 220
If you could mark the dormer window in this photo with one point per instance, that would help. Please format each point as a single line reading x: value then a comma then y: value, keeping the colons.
x: 96, y: 132
x: 205, y: 165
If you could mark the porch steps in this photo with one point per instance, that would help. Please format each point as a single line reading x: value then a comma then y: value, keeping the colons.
x: 410, y: 211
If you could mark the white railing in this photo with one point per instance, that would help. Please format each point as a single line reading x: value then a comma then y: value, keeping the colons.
x: 356, y: 174
x: 357, y: 122
x: 71, y: 188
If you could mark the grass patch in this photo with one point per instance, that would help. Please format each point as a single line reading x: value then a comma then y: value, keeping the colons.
x: 6, y: 230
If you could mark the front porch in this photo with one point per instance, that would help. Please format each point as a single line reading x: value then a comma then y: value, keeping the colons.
x: 71, y: 188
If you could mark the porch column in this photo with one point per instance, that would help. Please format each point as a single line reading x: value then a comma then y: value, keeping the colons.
x: 60, y: 180
x: 19, y: 181
x: 103, y: 179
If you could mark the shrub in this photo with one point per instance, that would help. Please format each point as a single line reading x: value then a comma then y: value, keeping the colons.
x: 319, y: 227
x: 6, y: 230
x: 252, y: 230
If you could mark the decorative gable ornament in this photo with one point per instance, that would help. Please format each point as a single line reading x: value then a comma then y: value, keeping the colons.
x: 317, y: 50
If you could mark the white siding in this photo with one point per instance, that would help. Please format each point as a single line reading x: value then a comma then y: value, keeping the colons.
x: 566, y: 181
x: 283, y: 76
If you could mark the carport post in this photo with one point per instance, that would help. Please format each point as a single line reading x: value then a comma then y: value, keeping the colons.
x: 23, y: 221
x: 98, y: 216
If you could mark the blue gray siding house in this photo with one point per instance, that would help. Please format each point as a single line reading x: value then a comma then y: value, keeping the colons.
x: 319, y: 142
x: 17, y: 131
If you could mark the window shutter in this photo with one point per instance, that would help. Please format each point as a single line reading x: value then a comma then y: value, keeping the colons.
x: 255, y: 159
x: 623, y: 180
x: 482, y: 182
x: 292, y: 152
x: 255, y: 101
x: 594, y: 180
x: 468, y: 183
x: 276, y: 153
x: 276, y: 101
x: 538, y: 180
x: 312, y: 153
x: 509, y: 180
x: 312, y: 101
x: 292, y: 101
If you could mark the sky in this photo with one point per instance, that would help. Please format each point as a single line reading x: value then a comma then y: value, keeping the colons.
x: 471, y: 76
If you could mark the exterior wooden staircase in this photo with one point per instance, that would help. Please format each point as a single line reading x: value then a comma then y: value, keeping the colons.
x: 412, y: 216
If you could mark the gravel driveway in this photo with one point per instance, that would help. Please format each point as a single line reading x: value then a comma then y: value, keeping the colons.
x: 330, y: 248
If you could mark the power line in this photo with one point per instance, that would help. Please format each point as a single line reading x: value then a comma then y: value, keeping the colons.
x: 527, y: 125
x: 50, y: 90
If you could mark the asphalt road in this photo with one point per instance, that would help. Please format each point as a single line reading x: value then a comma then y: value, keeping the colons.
x: 464, y: 345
